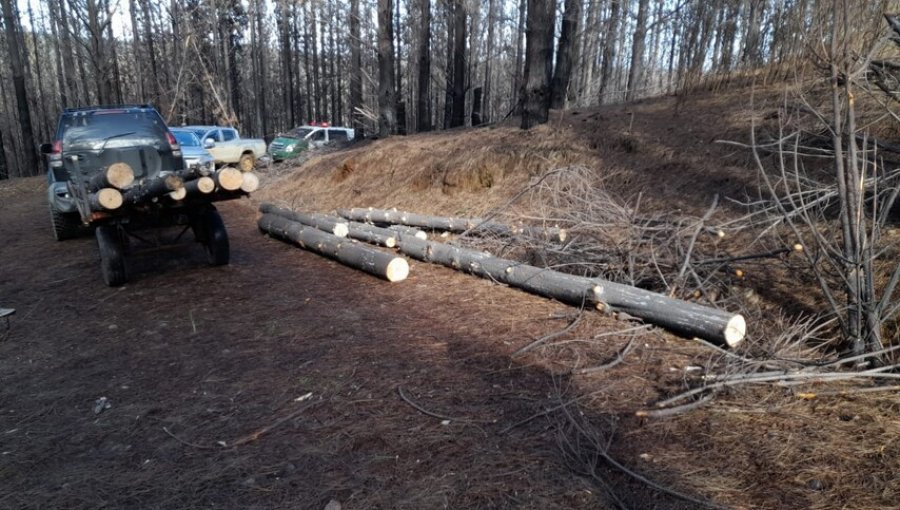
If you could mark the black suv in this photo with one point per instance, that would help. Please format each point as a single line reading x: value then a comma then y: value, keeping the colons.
x: 118, y: 169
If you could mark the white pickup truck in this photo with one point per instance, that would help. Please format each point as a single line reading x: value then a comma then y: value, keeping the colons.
x: 227, y: 146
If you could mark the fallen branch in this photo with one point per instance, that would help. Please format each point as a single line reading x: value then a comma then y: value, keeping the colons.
x: 422, y: 410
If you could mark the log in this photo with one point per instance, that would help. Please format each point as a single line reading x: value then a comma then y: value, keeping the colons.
x: 229, y: 179
x: 410, y: 231
x: 372, y: 234
x: 117, y: 175
x: 250, y: 182
x: 152, y: 187
x: 682, y: 317
x: 382, y: 216
x: 178, y: 194
x: 202, y: 186
x: 348, y: 252
x: 450, y: 224
x: 334, y: 226
x: 354, y: 230
x: 106, y: 199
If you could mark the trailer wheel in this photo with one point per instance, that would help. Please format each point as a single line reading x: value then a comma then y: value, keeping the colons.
x: 65, y: 226
x: 112, y: 256
x: 210, y: 231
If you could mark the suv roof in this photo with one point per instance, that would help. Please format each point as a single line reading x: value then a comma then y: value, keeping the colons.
x: 110, y: 107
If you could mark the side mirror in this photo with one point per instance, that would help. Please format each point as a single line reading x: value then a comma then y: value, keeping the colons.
x: 46, y: 148
x: 209, y: 143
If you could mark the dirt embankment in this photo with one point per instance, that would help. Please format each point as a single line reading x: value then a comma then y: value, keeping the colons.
x: 285, y: 380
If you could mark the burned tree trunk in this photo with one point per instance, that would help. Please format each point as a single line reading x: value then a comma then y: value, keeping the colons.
x: 538, y: 63
x: 387, y: 100
x: 559, y: 85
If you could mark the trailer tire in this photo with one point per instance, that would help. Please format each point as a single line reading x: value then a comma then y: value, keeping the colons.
x: 112, y: 256
x: 210, y: 231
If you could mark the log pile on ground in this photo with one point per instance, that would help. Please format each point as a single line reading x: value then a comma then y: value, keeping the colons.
x: 682, y: 317
x: 347, y: 251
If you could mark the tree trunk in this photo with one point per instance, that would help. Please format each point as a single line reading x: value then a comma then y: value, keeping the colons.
x: 423, y: 101
x: 136, y: 52
x: 751, y: 54
x: 356, y: 99
x: 609, y: 48
x: 4, y: 168
x: 261, y: 79
x: 488, y: 62
x: 151, y: 51
x: 538, y: 63
x: 637, y: 51
x: 520, y: 53
x: 42, y: 125
x: 559, y: 85
x: 351, y: 253
x: 17, y: 66
x: 458, y: 111
x: 387, y: 99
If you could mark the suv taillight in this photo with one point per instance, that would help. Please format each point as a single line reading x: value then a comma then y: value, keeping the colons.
x: 173, y: 142
x: 55, y: 157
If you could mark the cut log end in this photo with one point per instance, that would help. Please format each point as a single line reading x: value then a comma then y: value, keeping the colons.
x: 120, y: 175
x: 178, y: 194
x: 206, y: 185
x: 173, y: 182
x: 397, y: 270
x: 735, y: 331
x: 249, y: 182
x: 421, y: 235
x: 390, y: 242
x: 109, y: 199
x: 230, y: 179
x: 341, y: 229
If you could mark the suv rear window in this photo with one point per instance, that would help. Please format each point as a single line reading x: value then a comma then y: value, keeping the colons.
x: 107, y: 129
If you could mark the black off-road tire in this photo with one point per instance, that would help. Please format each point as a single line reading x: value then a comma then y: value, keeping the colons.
x: 65, y: 226
x: 112, y: 255
x: 210, y: 231
x: 247, y: 163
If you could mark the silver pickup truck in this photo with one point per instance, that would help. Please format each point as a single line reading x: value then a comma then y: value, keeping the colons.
x: 228, y: 148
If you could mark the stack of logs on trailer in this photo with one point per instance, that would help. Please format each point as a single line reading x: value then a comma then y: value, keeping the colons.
x: 115, y: 191
x: 327, y: 235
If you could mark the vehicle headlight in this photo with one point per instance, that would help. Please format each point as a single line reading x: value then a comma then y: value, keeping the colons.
x: 290, y: 148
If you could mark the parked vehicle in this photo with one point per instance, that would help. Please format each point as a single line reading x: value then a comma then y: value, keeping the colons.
x: 294, y: 142
x: 228, y: 148
x: 192, y: 150
x: 120, y: 170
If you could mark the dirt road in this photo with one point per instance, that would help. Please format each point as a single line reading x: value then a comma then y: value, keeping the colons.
x: 206, y: 370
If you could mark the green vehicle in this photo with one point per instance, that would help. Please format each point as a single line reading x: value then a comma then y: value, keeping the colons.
x: 296, y: 141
